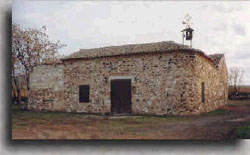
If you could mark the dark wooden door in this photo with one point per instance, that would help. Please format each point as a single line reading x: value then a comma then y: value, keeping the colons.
x: 121, y: 96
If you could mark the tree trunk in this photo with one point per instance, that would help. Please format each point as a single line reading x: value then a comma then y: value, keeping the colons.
x: 235, y: 88
x: 18, y: 90
x: 28, y: 81
x: 18, y: 96
x: 14, y: 93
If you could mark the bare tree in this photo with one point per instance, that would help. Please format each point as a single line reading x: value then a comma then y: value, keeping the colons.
x: 31, y: 47
x: 235, y: 78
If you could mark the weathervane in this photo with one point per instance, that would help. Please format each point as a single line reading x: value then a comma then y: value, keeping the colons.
x: 187, y: 33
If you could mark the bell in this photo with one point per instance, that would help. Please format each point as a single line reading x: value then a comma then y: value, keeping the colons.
x: 189, y: 33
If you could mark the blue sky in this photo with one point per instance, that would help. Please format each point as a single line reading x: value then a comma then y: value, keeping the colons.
x: 220, y: 27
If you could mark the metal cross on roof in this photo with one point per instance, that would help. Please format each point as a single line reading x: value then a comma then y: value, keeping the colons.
x: 187, y: 20
x: 187, y: 33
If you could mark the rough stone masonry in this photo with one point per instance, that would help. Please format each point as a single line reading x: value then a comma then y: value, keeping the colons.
x: 166, y: 79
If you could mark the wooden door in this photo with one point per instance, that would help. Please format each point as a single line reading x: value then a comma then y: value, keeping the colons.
x: 121, y: 96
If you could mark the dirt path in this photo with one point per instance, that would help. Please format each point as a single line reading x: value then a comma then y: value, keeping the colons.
x: 211, y: 126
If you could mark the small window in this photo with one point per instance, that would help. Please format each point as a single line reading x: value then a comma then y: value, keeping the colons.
x: 203, y: 92
x: 83, y: 93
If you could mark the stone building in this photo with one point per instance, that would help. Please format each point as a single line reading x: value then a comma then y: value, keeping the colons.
x: 162, y: 78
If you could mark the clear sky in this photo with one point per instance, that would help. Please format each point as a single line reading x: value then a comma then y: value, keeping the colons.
x: 220, y: 27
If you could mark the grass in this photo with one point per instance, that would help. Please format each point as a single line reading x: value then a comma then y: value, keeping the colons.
x: 60, y: 125
x: 217, y: 112
x: 243, y: 132
x: 53, y: 125
x: 238, y: 102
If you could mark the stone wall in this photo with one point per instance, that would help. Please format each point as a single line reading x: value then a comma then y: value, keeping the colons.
x: 215, y: 79
x: 47, y: 88
x: 164, y: 83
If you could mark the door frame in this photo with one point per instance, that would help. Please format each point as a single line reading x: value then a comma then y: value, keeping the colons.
x: 132, y: 78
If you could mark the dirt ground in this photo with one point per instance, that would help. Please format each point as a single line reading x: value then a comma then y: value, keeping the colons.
x: 221, y: 124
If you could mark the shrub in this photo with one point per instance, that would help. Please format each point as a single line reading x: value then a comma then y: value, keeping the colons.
x: 243, y: 132
x: 216, y: 112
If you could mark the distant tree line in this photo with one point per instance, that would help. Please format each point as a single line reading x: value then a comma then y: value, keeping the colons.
x: 235, y: 81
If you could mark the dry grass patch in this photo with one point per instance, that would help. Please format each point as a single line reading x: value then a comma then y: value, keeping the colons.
x: 51, y: 125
